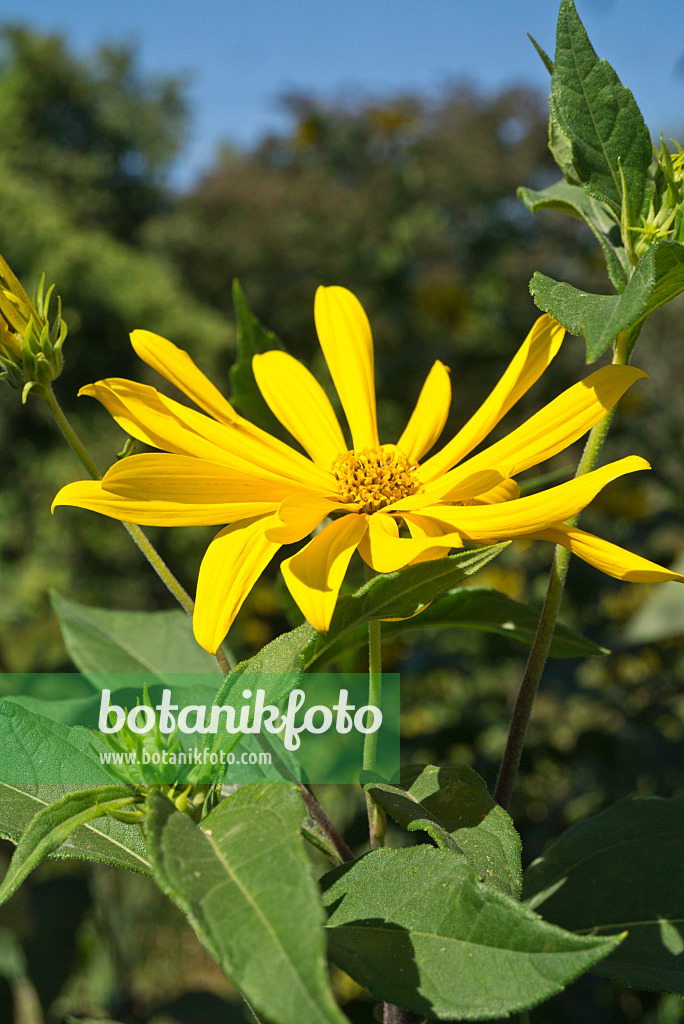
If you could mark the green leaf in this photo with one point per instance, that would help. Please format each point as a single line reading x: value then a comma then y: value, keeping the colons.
x: 100, y: 640
x: 483, y: 609
x: 574, y: 201
x: 546, y: 60
x: 252, y: 339
x: 621, y: 870
x: 41, y: 761
x: 54, y: 824
x: 600, y: 117
x: 396, y: 594
x: 568, y: 305
x: 418, y: 929
x: 106, y: 841
x: 657, y: 278
x: 560, y: 148
x: 37, y: 751
x: 453, y: 806
x: 245, y: 883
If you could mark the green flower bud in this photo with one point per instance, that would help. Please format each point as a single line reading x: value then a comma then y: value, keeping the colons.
x: 30, y: 345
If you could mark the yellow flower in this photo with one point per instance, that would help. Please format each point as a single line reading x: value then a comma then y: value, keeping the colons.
x: 217, y: 468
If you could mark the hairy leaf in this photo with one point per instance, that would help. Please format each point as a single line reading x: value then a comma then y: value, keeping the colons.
x: 418, y: 929
x: 105, y: 841
x: 245, y: 883
x: 54, y: 824
x: 42, y: 761
x: 574, y: 201
x: 600, y: 117
x: 657, y: 278
x: 453, y: 806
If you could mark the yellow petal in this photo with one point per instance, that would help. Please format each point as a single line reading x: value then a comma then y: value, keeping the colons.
x: 385, y: 551
x: 421, y: 527
x: 505, y: 491
x: 534, y: 512
x: 429, y: 416
x: 315, y: 574
x: 299, y: 515
x: 462, y: 484
x: 297, y: 399
x: 609, y: 558
x: 90, y: 494
x: 163, y: 423
x: 549, y: 431
x: 163, y: 477
x: 231, y: 566
x: 176, y: 366
x: 526, y: 367
x: 347, y: 343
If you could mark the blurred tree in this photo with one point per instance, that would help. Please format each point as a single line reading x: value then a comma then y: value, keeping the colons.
x: 409, y: 202
x: 87, y: 145
x: 93, y: 132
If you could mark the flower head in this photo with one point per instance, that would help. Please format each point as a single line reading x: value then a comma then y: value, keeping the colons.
x: 30, y: 346
x: 387, y: 501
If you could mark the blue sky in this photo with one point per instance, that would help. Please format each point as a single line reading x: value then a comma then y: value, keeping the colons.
x: 238, y: 57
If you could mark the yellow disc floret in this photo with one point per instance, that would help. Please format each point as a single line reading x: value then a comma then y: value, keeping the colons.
x: 374, y: 476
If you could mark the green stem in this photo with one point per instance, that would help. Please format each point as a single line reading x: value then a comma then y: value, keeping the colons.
x: 510, y: 762
x: 370, y: 743
x: 138, y: 536
x: 68, y: 432
x: 377, y: 819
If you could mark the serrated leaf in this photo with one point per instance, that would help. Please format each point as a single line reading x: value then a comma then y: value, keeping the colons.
x: 574, y: 201
x: 396, y: 594
x: 51, y: 826
x: 106, y: 841
x: 657, y: 278
x: 418, y: 929
x: 252, y: 339
x: 41, y: 761
x: 100, y: 640
x: 37, y: 751
x: 621, y: 870
x: 453, y: 806
x: 600, y: 117
x: 245, y: 883
x: 566, y: 304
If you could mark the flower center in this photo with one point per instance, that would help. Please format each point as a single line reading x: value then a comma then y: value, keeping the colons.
x: 374, y: 476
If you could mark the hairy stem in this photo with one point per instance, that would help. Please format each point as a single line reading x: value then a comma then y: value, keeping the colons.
x: 536, y: 661
x: 325, y: 824
x: 377, y: 819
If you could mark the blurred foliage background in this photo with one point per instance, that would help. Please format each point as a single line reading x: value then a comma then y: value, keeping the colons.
x: 411, y: 204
